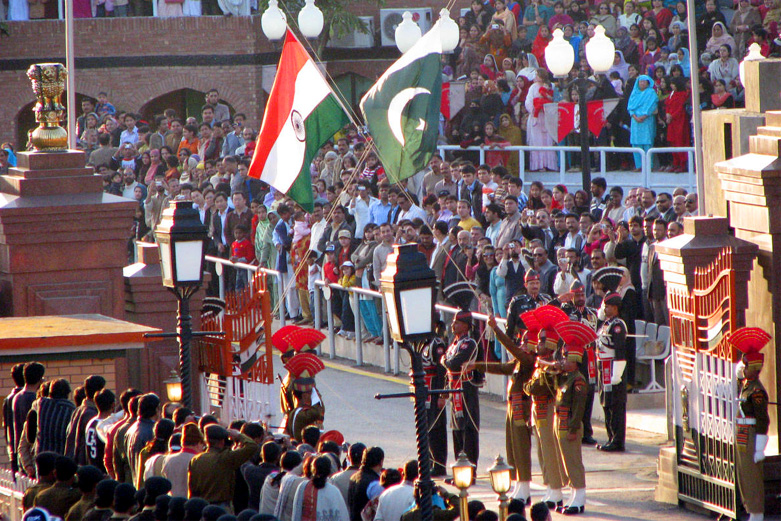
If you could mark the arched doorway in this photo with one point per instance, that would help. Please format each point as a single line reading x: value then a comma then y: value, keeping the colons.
x: 186, y: 103
x: 25, y: 119
x: 351, y: 87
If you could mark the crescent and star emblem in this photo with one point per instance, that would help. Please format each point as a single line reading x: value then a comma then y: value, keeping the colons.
x: 396, y: 107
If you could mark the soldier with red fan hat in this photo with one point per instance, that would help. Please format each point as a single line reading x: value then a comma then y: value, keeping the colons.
x: 303, y: 368
x: 542, y: 389
x: 290, y: 341
x: 464, y: 406
x: 571, y: 394
x: 752, y: 420
x: 575, y: 306
x: 524, y: 302
x: 611, y: 362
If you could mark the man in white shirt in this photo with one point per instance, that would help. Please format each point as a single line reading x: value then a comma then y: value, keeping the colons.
x: 317, y: 226
x: 569, y: 269
x: 574, y: 238
x: 493, y: 220
x: 129, y: 187
x: 408, y: 210
x: 359, y: 207
x: 397, y: 499
x: 130, y: 134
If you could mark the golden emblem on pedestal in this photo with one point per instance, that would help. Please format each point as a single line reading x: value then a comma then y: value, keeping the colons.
x: 48, y: 81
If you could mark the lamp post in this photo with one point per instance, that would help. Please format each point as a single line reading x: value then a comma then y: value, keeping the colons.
x: 173, y: 388
x: 182, y: 238
x: 501, y: 478
x: 560, y: 57
x: 463, y: 476
x: 310, y: 20
x: 408, y: 286
x: 273, y: 22
x: 407, y: 33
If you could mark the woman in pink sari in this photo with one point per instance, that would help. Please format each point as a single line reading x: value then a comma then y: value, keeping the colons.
x: 539, y: 94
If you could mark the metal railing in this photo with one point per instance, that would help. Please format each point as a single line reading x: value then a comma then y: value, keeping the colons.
x: 686, y: 179
x: 12, y: 489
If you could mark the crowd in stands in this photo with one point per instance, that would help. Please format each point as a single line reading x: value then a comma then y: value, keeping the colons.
x: 97, y: 456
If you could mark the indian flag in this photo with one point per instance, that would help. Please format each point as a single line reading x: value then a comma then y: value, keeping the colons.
x: 302, y: 113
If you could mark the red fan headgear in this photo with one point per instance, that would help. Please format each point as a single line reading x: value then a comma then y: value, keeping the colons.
x: 576, y: 336
x: 750, y: 341
x: 303, y: 367
x: 550, y: 316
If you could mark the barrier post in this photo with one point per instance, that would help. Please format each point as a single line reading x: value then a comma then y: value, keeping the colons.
x: 385, y: 336
x: 330, y: 317
x: 316, y: 303
x: 358, y: 326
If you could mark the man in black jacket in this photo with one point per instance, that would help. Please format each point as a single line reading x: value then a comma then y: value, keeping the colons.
x: 371, y: 466
x: 471, y: 190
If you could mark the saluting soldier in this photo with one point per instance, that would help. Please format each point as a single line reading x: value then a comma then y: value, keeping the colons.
x: 752, y: 420
x: 437, y: 419
x: 571, y: 394
x: 524, y: 302
x: 518, y: 429
x: 578, y: 311
x: 542, y: 389
x: 611, y: 348
x: 464, y: 406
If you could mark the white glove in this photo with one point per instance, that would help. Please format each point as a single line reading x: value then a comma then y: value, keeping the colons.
x: 740, y: 370
x: 618, y: 371
x: 759, y: 447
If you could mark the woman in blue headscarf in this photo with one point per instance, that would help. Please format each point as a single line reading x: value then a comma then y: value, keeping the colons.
x: 683, y: 60
x: 642, y: 108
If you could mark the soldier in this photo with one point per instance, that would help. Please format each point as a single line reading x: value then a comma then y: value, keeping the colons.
x: 306, y: 341
x: 532, y: 299
x: 303, y: 368
x: 464, y: 406
x: 571, y: 393
x: 518, y: 420
x: 542, y: 389
x: 435, y: 405
x: 752, y: 420
x: 611, y: 349
x: 579, y: 312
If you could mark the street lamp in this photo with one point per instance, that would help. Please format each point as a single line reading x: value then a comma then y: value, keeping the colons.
x: 182, y: 238
x: 500, y: 475
x: 407, y: 33
x: 560, y: 57
x: 173, y: 387
x: 310, y: 20
x: 408, y: 286
x: 449, y: 31
x: 754, y: 54
x: 463, y: 476
x: 273, y: 22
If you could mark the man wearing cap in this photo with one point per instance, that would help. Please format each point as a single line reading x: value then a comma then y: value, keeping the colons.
x: 525, y: 302
x: 571, y: 394
x: 752, y: 420
x: 578, y: 311
x: 465, y: 406
x: 611, y: 348
x: 212, y: 474
x: 304, y: 413
x: 337, y: 224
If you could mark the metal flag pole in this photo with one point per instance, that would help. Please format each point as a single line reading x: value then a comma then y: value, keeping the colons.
x: 696, y: 109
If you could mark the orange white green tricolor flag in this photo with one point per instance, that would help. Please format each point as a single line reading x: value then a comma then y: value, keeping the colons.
x: 302, y: 113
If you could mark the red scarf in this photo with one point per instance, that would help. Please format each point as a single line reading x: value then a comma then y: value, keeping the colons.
x: 309, y: 509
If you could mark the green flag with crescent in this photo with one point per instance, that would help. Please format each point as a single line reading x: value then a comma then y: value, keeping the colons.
x: 401, y: 110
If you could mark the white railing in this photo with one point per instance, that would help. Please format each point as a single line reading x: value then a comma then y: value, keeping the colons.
x: 614, y: 177
x: 12, y: 488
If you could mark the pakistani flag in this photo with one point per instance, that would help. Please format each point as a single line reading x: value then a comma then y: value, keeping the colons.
x: 302, y: 113
x: 402, y: 108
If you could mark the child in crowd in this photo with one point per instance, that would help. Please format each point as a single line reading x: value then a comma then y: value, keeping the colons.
x: 615, y: 81
x: 104, y: 107
x: 242, y: 251
x: 314, y: 273
x: 347, y: 280
x: 299, y: 253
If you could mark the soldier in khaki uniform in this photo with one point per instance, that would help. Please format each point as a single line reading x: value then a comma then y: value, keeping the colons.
x: 212, y: 474
x: 571, y: 395
x: 518, y: 421
x: 288, y: 353
x: 542, y: 389
x: 303, y: 368
x: 752, y: 420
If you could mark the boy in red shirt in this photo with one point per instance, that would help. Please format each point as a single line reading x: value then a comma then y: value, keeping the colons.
x: 242, y: 250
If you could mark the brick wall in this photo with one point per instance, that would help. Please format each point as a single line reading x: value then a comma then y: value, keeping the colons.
x: 75, y: 371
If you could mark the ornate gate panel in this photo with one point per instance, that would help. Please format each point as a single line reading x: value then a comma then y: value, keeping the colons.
x: 701, y: 320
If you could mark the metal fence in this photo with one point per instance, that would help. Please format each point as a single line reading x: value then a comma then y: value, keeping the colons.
x: 12, y: 488
x: 623, y: 178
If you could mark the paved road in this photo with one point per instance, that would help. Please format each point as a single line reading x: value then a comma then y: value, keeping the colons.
x: 620, y: 486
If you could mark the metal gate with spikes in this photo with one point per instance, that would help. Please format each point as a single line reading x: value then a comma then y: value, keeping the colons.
x: 701, y: 320
x: 237, y: 369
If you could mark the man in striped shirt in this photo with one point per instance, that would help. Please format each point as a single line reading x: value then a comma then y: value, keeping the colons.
x: 47, y: 423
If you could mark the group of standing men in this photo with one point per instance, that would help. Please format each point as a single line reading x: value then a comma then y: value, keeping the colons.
x: 563, y: 352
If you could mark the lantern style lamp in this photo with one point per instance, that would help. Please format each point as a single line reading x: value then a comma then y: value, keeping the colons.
x: 559, y: 55
x: 407, y: 33
x: 754, y: 54
x: 449, y: 31
x: 310, y: 20
x: 600, y: 51
x: 408, y: 286
x: 463, y: 476
x: 273, y: 22
x: 173, y: 387
x: 500, y: 475
x: 182, y: 240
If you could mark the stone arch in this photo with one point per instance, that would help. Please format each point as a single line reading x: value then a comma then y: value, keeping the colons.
x: 186, y: 102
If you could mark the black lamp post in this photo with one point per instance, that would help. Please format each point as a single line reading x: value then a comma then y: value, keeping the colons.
x: 408, y: 286
x: 182, y: 238
x: 560, y: 57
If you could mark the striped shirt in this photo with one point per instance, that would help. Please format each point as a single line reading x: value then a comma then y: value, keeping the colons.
x: 50, y: 418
